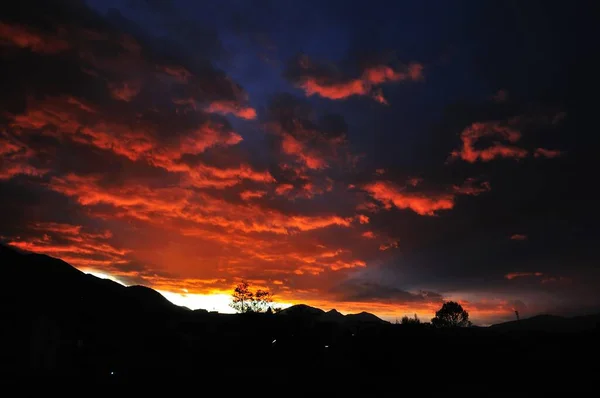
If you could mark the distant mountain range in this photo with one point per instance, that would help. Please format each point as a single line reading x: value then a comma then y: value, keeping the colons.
x: 304, y: 311
x: 38, y: 280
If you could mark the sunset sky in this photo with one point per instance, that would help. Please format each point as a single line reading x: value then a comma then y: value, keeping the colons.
x: 378, y: 156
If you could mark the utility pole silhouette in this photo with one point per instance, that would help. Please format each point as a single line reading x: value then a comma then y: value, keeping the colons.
x: 517, y: 314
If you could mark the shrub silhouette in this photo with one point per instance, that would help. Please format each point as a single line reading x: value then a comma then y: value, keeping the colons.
x: 410, y: 321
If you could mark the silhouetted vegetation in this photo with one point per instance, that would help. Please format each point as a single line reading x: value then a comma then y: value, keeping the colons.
x: 244, y: 300
x: 451, y: 314
x: 410, y: 321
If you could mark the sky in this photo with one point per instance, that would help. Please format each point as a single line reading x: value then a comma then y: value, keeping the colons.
x: 381, y: 156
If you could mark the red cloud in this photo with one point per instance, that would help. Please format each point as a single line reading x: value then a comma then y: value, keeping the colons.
x: 312, y: 80
x: 71, y: 241
x: 235, y: 109
x: 180, y: 73
x: 469, y: 187
x: 414, y: 181
x: 282, y: 189
x: 500, y: 96
x: 362, y: 219
x: 514, y: 275
x: 145, y: 204
x: 472, y: 134
x: 71, y: 118
x: 389, y: 245
x: 368, y: 235
x: 518, y: 237
x: 547, y: 153
x: 391, y: 194
x: 124, y: 91
x: 382, y: 73
x: 312, y: 86
x: 247, y: 195
x: 24, y: 37
x: 294, y: 147
x: 15, y: 158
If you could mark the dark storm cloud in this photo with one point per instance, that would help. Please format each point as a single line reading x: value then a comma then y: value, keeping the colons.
x: 369, y: 291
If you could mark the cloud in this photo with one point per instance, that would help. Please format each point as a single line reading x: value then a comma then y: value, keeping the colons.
x: 368, y: 235
x: 356, y: 290
x: 500, y: 96
x: 477, y: 131
x: 74, y: 244
x: 225, y: 107
x: 389, y: 245
x: 390, y: 194
x: 514, y: 275
x: 178, y: 203
x: 518, y: 237
x: 470, y: 187
x: 248, y: 195
x: 32, y: 39
x: 124, y: 91
x: 328, y: 81
x: 547, y: 153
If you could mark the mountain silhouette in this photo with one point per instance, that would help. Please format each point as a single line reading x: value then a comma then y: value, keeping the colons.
x: 332, y: 315
x: 551, y: 323
x: 59, y: 287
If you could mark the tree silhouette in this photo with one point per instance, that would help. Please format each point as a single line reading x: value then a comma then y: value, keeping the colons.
x: 244, y: 300
x: 451, y: 314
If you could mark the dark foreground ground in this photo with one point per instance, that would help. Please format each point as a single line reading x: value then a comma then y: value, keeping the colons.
x: 73, y: 329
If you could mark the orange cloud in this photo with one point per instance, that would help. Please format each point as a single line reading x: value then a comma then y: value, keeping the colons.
x: 368, y: 235
x: 514, y: 275
x: 247, y: 195
x: 390, y: 195
x: 25, y: 37
x: 335, y: 91
x: 362, y: 219
x: 472, y: 134
x: 282, y: 189
x: 547, y: 153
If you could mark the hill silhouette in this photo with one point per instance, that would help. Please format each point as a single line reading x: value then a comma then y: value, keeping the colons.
x: 61, y: 323
x: 552, y: 324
